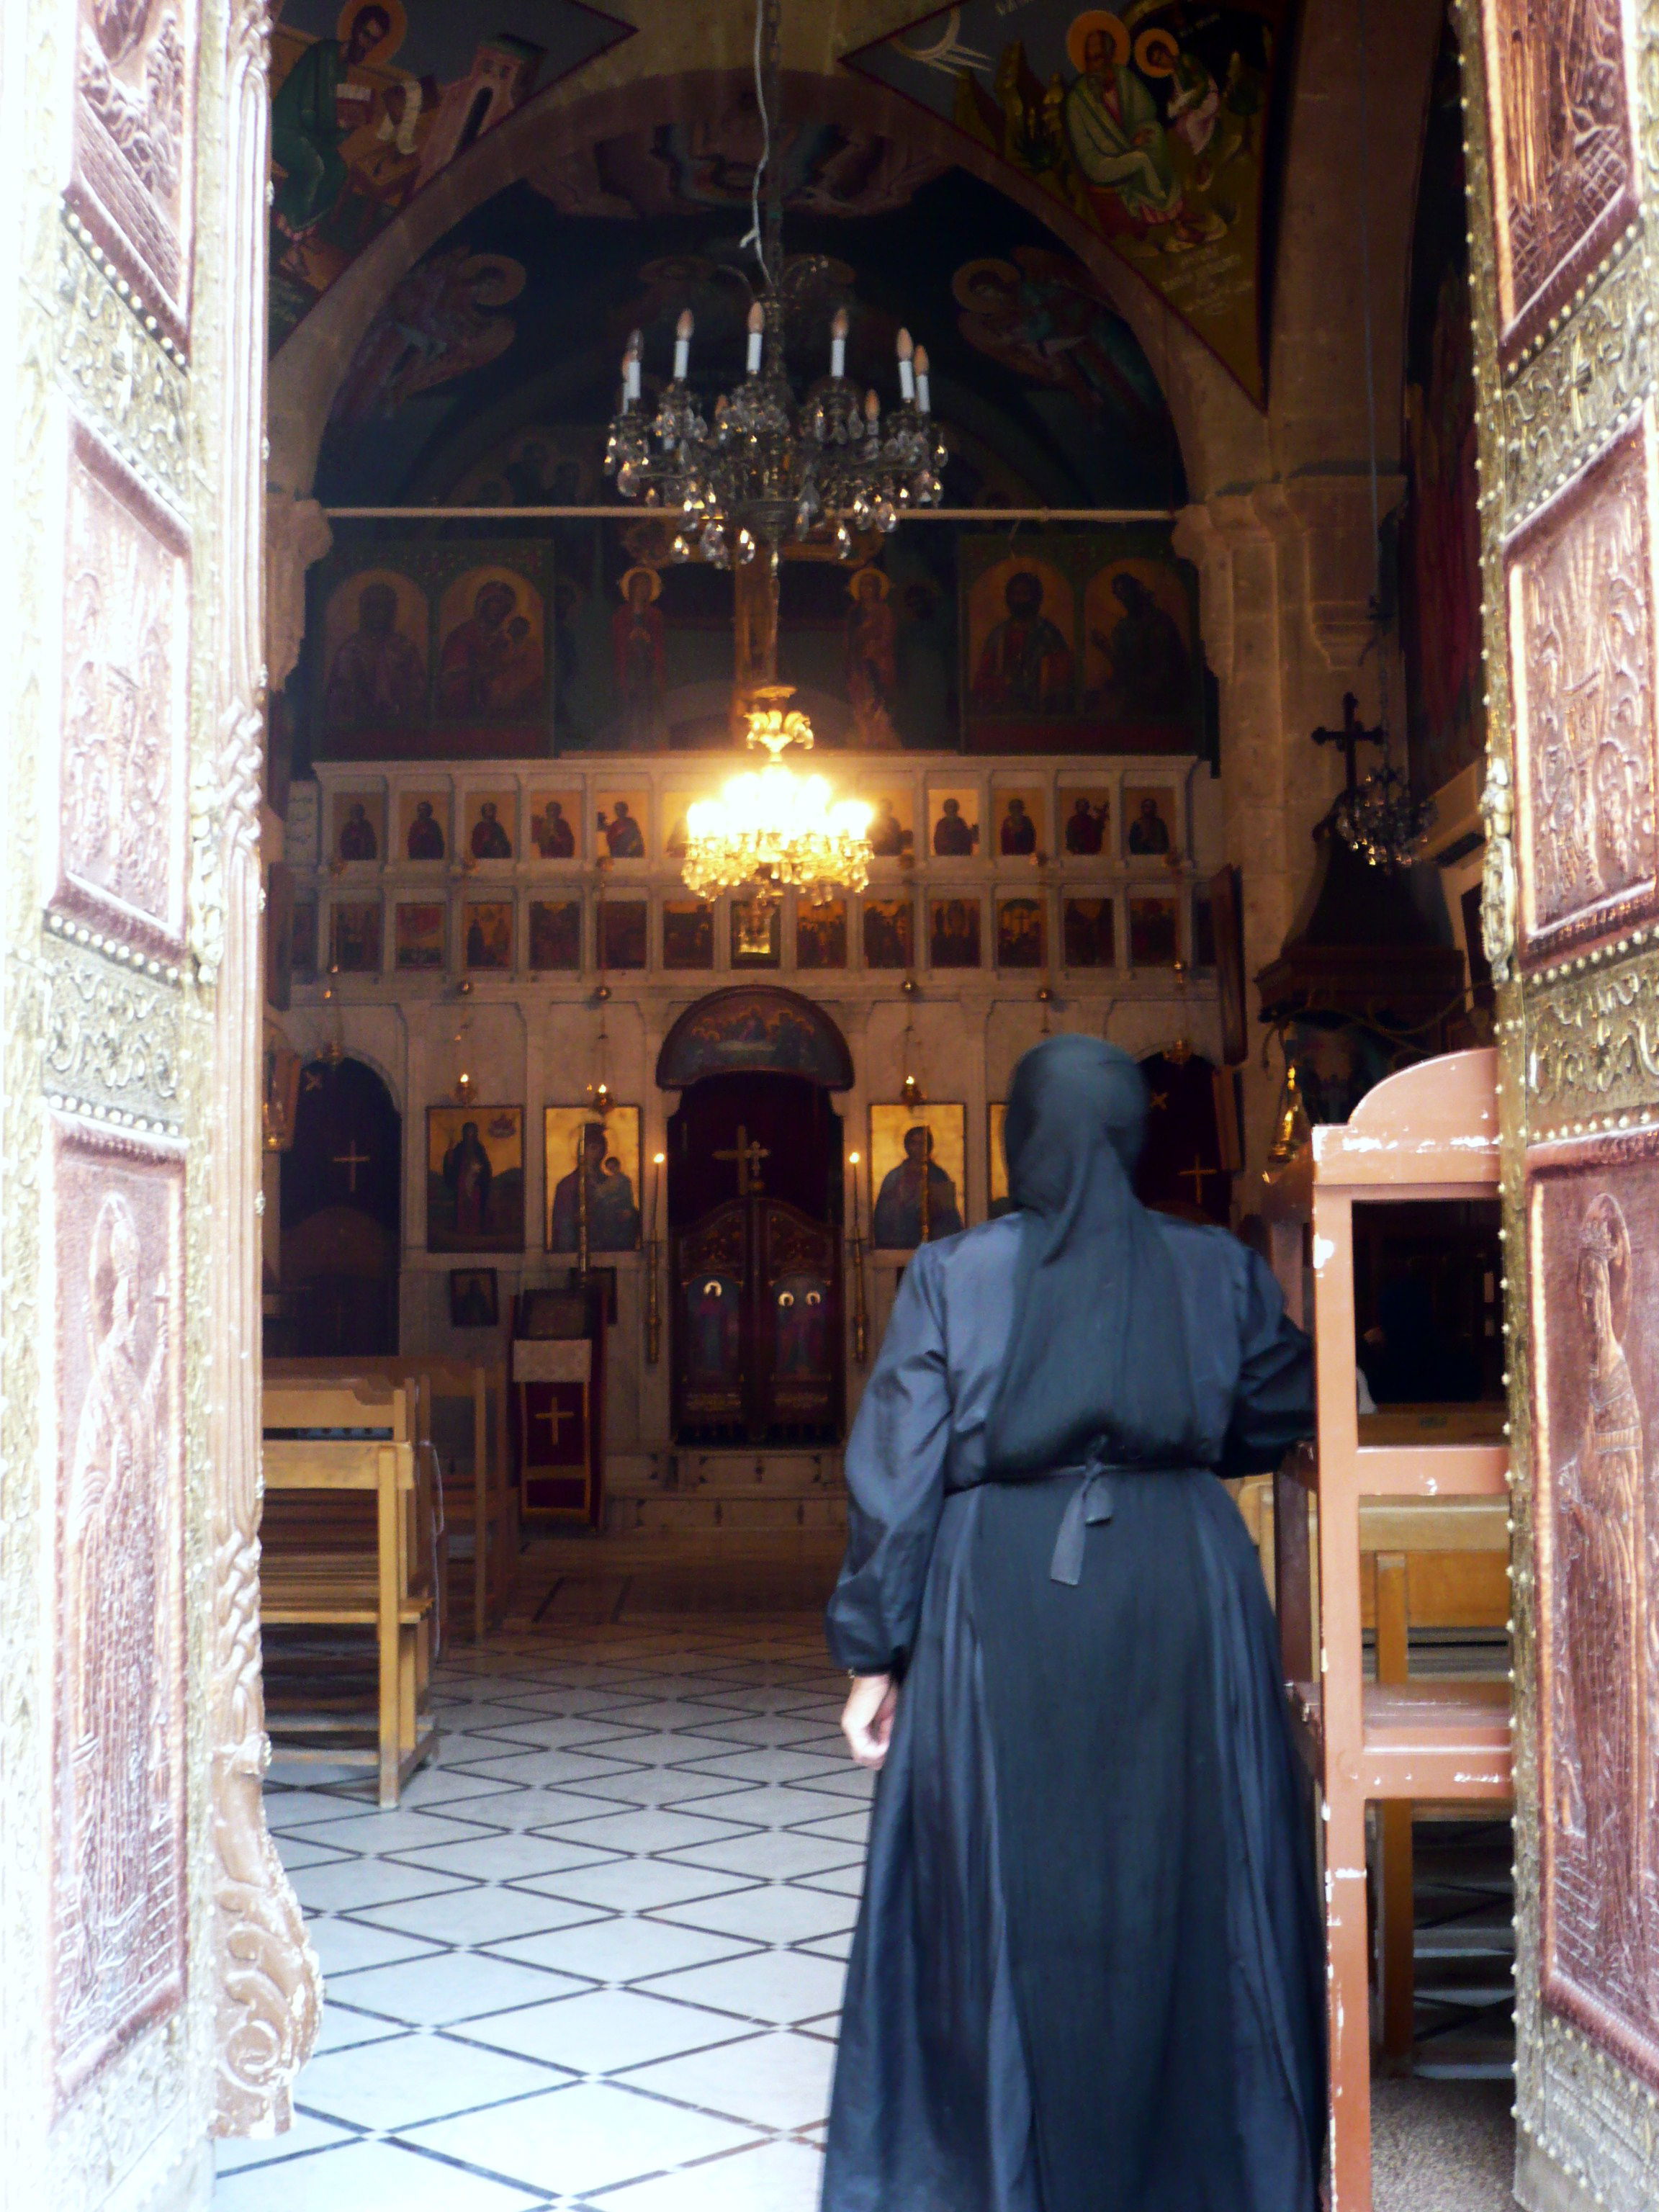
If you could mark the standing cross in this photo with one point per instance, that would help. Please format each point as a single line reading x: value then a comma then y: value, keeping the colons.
x: 748, y: 1152
x: 351, y: 1159
x: 1200, y: 1175
x: 1351, y: 735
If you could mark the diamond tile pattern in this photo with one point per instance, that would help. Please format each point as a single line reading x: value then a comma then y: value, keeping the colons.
x: 594, y: 1960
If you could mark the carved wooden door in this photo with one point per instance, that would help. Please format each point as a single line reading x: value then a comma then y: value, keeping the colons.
x: 157, y: 1979
x: 757, y: 1326
x: 1561, y: 99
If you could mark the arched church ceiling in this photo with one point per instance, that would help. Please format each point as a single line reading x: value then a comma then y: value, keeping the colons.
x: 490, y: 371
x: 1155, y: 130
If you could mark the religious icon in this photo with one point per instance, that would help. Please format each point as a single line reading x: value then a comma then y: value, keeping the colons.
x: 1022, y: 934
x: 1090, y: 933
x: 872, y: 656
x: 555, y: 824
x: 1139, y: 660
x: 1084, y: 817
x: 488, y: 933
x: 623, y: 930
x: 592, y: 1177
x: 1021, y: 819
x: 917, y: 1165
x: 892, y: 823
x: 305, y: 939
x: 637, y: 646
x: 953, y: 932
x: 953, y: 819
x: 423, y: 816
x: 688, y: 933
x: 1595, y: 1230
x: 555, y: 934
x: 996, y: 1121
x: 474, y: 1178
x: 1149, y: 817
x: 490, y: 664
x: 473, y: 1299
x: 714, y: 1327
x: 374, y: 654
x: 489, y: 825
x: 756, y: 933
x: 1154, y: 933
x: 355, y: 936
x: 1020, y: 633
x: 621, y: 822
x: 359, y: 825
x: 419, y: 933
x: 800, y: 1327
x: 889, y: 933
x: 821, y: 934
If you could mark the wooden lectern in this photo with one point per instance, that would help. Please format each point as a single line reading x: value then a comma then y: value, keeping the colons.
x: 558, y: 1403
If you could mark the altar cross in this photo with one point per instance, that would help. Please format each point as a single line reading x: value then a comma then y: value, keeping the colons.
x: 1351, y: 735
x: 351, y: 1159
x: 748, y: 1152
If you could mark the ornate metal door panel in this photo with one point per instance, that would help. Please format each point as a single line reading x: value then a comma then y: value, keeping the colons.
x: 757, y: 1326
x: 1564, y: 295
x: 157, y: 1976
x: 798, y: 1296
x: 710, y: 1276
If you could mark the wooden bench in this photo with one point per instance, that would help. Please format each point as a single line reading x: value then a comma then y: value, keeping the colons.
x: 478, y: 1521
x: 1398, y: 1487
x: 341, y: 1547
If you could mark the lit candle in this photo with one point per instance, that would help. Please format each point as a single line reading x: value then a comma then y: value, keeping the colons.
x: 757, y: 324
x: 631, y: 365
x: 853, y: 1161
x: 872, y: 416
x: 906, y: 367
x: 683, y: 330
x: 923, y: 400
x: 656, y: 1184
x: 838, y: 343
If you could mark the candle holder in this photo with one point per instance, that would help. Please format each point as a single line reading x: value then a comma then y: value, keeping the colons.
x: 653, y: 1262
x: 860, y: 1311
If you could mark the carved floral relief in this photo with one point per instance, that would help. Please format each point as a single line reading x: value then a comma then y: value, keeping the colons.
x: 123, y: 780
x: 1581, y: 585
x: 119, y: 1907
x: 133, y: 137
x: 1563, y: 151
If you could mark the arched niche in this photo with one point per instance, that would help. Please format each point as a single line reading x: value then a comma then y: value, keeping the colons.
x: 753, y: 1028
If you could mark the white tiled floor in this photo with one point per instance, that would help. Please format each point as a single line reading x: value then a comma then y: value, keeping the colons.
x: 595, y: 1957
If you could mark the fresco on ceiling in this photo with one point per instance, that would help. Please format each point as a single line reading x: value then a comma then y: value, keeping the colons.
x: 1156, y: 126
x: 490, y: 372
x: 1080, y: 641
x: 1440, y: 525
x: 372, y: 100
x: 417, y: 649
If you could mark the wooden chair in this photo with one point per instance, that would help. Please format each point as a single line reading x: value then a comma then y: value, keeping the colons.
x: 476, y: 1546
x: 1428, y: 1134
x: 341, y: 1547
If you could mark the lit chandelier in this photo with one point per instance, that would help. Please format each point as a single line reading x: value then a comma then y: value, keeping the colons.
x: 774, y: 829
x: 765, y: 469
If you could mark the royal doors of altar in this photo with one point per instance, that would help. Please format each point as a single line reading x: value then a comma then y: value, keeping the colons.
x: 754, y: 1203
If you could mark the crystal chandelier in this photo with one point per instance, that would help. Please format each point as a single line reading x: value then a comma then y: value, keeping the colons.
x: 765, y: 469
x: 773, y: 828
x: 1374, y: 815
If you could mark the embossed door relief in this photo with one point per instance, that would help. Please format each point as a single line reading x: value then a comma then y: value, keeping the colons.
x: 120, y: 1908
x: 131, y: 183
x: 1560, y: 79
x: 1581, y: 592
x: 125, y: 773
x: 1593, y: 1234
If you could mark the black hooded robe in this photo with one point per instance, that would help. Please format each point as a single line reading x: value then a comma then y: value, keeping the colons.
x: 1087, y: 1975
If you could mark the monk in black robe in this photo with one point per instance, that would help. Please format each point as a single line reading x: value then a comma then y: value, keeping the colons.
x: 1087, y: 1975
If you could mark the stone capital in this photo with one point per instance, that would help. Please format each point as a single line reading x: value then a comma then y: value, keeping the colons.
x: 296, y: 534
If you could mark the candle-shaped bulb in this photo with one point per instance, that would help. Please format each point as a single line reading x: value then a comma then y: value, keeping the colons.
x: 838, y: 342
x: 924, y: 396
x: 906, y: 367
x: 757, y: 324
x: 631, y: 364
x: 872, y: 409
x: 683, y: 330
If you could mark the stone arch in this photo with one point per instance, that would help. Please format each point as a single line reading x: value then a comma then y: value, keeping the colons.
x: 754, y: 1026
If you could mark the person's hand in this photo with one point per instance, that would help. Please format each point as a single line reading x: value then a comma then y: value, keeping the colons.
x: 866, y: 1719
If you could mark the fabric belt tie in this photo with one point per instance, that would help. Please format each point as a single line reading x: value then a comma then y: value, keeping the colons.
x: 1090, y: 1504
